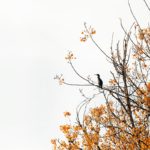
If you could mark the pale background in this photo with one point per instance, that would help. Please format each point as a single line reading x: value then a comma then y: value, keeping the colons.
x: 35, y: 36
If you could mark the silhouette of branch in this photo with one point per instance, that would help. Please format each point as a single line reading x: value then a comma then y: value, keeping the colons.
x: 146, y: 5
x: 96, y: 43
x: 133, y: 13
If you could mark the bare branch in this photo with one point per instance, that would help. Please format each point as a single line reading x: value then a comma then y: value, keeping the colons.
x: 146, y: 5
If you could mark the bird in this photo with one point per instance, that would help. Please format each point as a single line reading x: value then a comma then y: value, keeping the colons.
x: 100, y: 82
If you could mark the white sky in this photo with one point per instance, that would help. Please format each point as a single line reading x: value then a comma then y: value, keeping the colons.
x: 35, y: 36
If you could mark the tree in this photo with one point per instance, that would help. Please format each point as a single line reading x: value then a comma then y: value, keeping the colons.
x: 123, y: 122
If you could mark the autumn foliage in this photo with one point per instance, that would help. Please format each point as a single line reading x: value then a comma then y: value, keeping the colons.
x: 123, y: 122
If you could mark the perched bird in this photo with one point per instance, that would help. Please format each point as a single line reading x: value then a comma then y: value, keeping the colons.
x: 100, y: 82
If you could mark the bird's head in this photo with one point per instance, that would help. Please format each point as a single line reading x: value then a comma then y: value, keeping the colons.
x: 97, y: 75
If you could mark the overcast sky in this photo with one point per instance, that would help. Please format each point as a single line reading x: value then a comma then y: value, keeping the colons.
x: 35, y: 36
